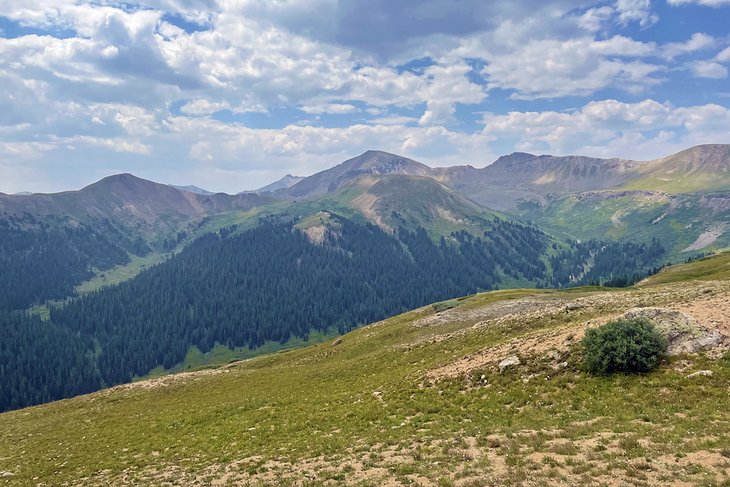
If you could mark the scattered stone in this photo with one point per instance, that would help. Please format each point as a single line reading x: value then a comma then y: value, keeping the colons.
x: 705, y: 373
x: 378, y: 395
x: 337, y: 342
x: 511, y: 361
x: 560, y: 365
x: 573, y: 307
x: 554, y: 355
x: 684, y: 334
x: 7, y: 474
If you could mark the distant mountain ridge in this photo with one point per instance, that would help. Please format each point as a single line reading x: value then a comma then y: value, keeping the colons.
x: 128, y: 201
x: 286, y: 182
x: 522, y: 176
x: 193, y: 189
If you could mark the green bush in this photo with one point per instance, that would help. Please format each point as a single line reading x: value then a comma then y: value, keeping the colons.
x: 624, y: 345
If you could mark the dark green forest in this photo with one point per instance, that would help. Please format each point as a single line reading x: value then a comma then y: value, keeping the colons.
x: 271, y: 283
x: 45, y: 259
x: 597, y: 262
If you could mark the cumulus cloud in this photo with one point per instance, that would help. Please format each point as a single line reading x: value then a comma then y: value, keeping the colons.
x: 622, y: 12
x: 708, y: 69
x: 724, y: 55
x: 203, y: 107
x: 595, y: 19
x: 333, y: 108
x: 610, y: 128
x: 636, y: 11
x: 697, y: 42
x: 580, y: 66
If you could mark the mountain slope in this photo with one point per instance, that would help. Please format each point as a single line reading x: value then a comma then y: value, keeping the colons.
x: 129, y: 201
x: 370, y: 162
x: 702, y: 168
x: 521, y: 176
x: 411, y: 399
x: 684, y: 223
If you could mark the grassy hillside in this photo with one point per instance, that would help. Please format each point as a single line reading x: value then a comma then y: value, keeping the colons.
x: 684, y: 224
x: 416, y: 399
x: 699, y: 169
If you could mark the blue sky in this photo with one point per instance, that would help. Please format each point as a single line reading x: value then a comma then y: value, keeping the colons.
x: 230, y: 95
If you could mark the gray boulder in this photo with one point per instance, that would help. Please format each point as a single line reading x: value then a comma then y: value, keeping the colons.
x: 683, y: 333
x: 511, y: 361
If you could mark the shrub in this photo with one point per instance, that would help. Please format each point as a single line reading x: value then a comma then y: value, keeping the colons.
x: 624, y: 345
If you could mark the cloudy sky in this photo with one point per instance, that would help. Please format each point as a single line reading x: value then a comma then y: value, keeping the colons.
x: 231, y: 95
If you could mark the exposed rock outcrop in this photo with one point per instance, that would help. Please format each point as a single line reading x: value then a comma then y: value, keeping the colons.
x: 684, y: 334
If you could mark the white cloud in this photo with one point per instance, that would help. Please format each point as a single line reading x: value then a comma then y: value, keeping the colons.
x: 708, y: 69
x: 393, y: 120
x: 724, y: 55
x: 636, y: 11
x: 697, y: 42
x: 334, y: 108
x: 621, y: 12
x: 204, y: 107
x: 610, y: 128
x: 580, y: 66
x: 595, y: 19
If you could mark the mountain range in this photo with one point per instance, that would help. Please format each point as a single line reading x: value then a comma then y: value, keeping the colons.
x: 135, y: 276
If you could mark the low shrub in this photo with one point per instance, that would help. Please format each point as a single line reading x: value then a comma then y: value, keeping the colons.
x: 624, y: 345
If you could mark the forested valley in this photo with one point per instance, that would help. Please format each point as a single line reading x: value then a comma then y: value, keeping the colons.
x: 271, y: 283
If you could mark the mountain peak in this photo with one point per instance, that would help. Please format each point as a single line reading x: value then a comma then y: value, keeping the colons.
x: 122, y: 178
x: 381, y: 162
x: 369, y: 162
x: 514, y: 158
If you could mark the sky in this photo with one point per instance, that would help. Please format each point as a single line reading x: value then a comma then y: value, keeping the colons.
x: 231, y: 95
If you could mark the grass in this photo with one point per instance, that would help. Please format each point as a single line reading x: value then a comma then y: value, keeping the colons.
x: 709, y: 268
x: 120, y: 273
x: 365, y: 411
x: 221, y: 354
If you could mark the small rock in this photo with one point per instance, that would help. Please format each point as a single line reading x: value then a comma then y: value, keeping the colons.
x: 573, y: 307
x: 378, y: 395
x: 7, y: 474
x: 337, y: 342
x: 511, y: 361
x: 705, y: 373
x: 554, y: 355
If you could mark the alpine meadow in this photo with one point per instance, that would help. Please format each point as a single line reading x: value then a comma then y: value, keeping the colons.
x: 365, y: 243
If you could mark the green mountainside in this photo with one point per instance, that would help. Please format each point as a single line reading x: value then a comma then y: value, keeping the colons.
x: 415, y: 399
x: 684, y: 223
